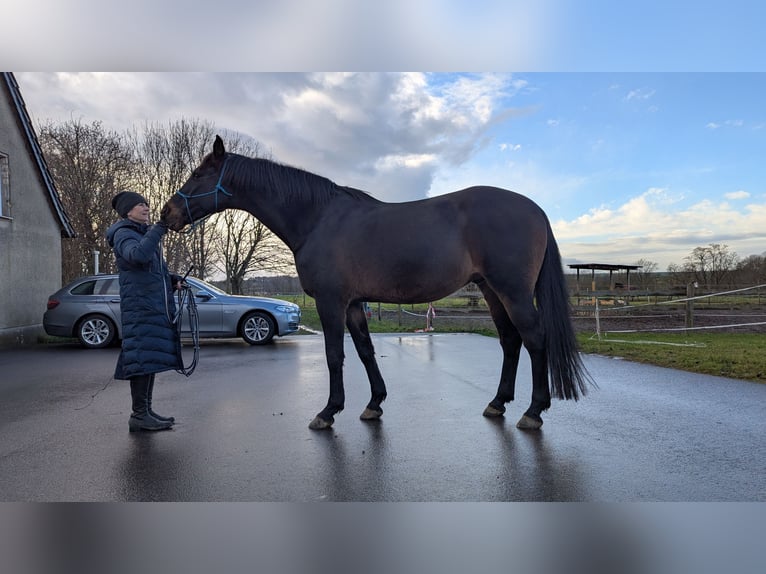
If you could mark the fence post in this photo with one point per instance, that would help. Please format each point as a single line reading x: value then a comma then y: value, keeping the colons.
x: 690, y: 304
x: 598, y: 321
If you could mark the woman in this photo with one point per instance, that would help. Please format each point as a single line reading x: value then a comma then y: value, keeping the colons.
x: 150, y: 341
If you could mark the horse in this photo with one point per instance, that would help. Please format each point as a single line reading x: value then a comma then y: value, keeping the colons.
x: 350, y: 248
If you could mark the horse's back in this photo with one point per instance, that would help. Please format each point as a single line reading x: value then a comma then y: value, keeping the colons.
x: 494, y: 196
x: 509, y: 214
x: 482, y: 217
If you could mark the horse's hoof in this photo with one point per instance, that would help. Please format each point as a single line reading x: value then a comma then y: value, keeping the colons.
x: 320, y: 424
x: 370, y: 415
x: 491, y: 411
x: 528, y: 423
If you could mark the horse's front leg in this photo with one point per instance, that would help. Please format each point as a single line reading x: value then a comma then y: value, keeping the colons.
x: 331, y: 317
x: 360, y: 333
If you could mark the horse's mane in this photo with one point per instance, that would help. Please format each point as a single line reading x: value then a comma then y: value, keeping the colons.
x: 290, y: 184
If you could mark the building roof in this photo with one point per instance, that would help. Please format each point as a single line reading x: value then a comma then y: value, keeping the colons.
x: 604, y: 266
x: 36, y: 151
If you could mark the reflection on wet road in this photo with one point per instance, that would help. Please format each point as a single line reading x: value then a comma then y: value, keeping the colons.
x: 645, y: 434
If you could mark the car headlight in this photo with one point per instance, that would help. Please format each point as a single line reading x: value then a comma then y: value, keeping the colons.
x: 286, y: 308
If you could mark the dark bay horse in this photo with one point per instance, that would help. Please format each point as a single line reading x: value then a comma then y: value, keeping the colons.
x: 350, y: 248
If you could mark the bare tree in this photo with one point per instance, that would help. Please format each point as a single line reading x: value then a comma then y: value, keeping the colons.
x: 167, y: 154
x: 674, y: 277
x: 89, y: 165
x: 752, y: 270
x: 645, y: 272
x: 710, y: 265
x: 244, y: 245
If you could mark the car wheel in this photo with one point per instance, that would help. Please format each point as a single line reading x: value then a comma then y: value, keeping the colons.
x: 258, y: 328
x: 96, y: 332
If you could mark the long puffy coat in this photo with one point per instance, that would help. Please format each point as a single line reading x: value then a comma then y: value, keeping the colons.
x: 150, y: 342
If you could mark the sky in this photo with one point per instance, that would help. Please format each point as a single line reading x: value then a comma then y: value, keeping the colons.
x: 438, y: 35
x: 637, y: 126
x: 627, y: 166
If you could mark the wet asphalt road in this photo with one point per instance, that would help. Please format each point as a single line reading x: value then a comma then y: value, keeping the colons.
x: 646, y: 434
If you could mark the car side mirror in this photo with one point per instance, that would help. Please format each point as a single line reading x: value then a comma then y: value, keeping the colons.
x: 204, y: 295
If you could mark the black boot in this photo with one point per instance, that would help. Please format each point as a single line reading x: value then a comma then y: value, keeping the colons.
x: 149, y: 404
x: 140, y: 419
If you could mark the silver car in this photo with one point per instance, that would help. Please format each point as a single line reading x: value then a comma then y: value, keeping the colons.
x: 89, y: 309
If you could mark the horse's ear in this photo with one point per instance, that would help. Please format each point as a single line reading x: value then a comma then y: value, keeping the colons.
x: 218, y: 150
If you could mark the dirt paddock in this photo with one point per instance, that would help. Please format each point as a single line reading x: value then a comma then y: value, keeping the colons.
x: 618, y: 318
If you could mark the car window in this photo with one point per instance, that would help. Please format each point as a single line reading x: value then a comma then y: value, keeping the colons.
x: 109, y: 286
x: 85, y: 288
x: 208, y: 287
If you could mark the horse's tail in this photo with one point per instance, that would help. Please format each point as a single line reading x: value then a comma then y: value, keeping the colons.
x: 568, y: 375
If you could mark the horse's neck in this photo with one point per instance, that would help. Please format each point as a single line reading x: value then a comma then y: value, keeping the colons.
x: 279, y: 222
x: 288, y: 214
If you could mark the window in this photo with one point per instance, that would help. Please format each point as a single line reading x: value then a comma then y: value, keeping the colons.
x: 107, y: 287
x: 5, y: 199
x: 85, y: 288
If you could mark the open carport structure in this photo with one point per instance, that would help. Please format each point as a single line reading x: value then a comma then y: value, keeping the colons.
x: 603, y: 267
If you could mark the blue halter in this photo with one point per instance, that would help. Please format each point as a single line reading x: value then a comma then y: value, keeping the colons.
x: 218, y: 188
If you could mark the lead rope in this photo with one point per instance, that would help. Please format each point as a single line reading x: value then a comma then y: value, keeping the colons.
x: 186, y: 298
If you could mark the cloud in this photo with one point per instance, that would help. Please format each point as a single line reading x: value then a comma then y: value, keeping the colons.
x: 741, y: 194
x: 640, y: 94
x: 660, y: 227
x: 390, y: 162
x: 727, y: 123
x: 366, y: 130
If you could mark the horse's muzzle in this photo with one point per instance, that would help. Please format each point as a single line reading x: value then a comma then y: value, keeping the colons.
x: 173, y: 216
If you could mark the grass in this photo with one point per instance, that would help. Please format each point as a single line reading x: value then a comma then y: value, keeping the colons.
x: 734, y: 355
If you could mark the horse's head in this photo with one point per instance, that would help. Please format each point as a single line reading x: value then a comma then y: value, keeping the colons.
x: 203, y: 193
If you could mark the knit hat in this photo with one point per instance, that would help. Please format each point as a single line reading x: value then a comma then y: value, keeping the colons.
x: 124, y: 201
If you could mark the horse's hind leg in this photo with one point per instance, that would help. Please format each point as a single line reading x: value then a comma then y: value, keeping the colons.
x: 525, y: 318
x: 356, y: 321
x: 510, y: 341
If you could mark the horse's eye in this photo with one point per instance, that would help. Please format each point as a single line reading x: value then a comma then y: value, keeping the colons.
x: 195, y: 174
